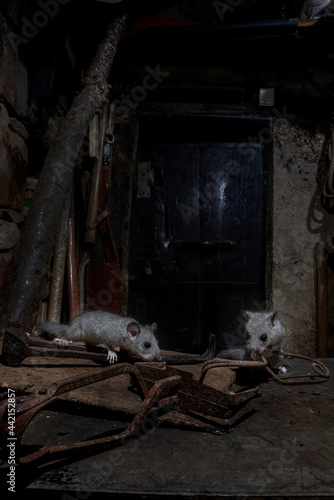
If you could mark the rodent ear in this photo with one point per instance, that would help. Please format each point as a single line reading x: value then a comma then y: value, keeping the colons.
x: 245, y: 316
x: 133, y: 329
x: 154, y: 327
x: 273, y: 318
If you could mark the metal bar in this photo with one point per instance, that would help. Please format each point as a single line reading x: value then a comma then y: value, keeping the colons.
x: 17, y: 346
x: 25, y: 403
x: 230, y: 363
x: 101, y: 444
x: 318, y: 366
x: 197, y: 397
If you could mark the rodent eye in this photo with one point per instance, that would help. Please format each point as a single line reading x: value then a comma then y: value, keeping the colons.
x: 147, y: 345
x: 247, y: 336
x: 263, y: 337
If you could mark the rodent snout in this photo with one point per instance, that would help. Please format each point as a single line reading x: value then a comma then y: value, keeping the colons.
x: 254, y: 354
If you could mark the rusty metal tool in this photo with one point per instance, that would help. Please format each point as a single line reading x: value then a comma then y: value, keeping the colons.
x: 18, y: 345
x: 27, y: 407
x: 196, y: 397
x: 318, y: 366
x: 229, y: 363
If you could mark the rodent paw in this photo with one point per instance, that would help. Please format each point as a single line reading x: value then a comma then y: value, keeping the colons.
x: 282, y: 369
x: 62, y: 342
x: 112, y: 357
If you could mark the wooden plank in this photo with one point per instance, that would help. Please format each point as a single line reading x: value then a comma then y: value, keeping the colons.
x: 281, y: 447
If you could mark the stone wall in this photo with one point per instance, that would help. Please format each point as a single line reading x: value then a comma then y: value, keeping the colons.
x: 13, y: 146
x: 13, y: 172
x: 299, y: 222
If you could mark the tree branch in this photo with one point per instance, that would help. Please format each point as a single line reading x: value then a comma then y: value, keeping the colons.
x: 33, y: 259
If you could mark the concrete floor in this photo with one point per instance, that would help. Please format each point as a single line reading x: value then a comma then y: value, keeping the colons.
x: 280, y: 445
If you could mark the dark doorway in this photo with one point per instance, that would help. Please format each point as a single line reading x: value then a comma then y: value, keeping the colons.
x: 198, y: 227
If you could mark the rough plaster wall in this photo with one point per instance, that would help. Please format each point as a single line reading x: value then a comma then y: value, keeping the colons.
x: 299, y: 222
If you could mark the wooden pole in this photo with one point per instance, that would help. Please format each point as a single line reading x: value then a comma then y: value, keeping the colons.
x: 72, y: 272
x: 59, y: 262
x: 95, y: 185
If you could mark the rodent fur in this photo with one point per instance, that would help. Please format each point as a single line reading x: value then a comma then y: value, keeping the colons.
x: 264, y: 333
x: 111, y: 330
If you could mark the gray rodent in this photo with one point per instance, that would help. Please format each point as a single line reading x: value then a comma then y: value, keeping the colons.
x: 111, y: 330
x: 264, y: 333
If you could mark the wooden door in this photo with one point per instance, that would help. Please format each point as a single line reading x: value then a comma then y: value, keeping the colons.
x: 197, y: 251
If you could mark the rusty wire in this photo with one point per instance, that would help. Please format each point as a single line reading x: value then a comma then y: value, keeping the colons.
x: 230, y: 363
x: 318, y: 366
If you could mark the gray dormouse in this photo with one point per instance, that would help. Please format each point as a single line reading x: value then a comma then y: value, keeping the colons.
x: 264, y: 333
x: 111, y: 330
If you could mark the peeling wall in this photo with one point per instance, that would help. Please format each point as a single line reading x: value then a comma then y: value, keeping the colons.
x: 299, y: 222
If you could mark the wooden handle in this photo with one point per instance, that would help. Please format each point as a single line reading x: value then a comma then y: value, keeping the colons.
x: 59, y: 262
x: 95, y: 186
x: 72, y: 272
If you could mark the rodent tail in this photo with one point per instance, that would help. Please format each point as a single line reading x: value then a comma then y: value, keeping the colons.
x: 232, y: 353
x: 51, y: 330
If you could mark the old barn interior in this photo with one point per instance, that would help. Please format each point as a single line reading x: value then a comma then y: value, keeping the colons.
x: 170, y: 162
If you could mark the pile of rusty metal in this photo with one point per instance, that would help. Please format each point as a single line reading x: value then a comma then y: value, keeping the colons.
x: 181, y: 396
